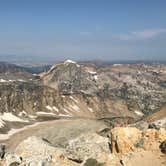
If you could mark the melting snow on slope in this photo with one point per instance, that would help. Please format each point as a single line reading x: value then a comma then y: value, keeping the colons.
x: 1, y: 123
x: 92, y: 72
x: 74, y: 107
x: 65, y: 110
x: 45, y: 113
x: 6, y: 116
x: 139, y: 113
x: 52, y: 108
x: 95, y: 77
x: 55, y: 109
x: 75, y: 100
x: 65, y: 115
x: 2, y: 80
x: 90, y: 109
x: 49, y: 107
x: 22, y: 113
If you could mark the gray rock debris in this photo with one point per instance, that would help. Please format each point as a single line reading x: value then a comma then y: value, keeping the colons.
x: 12, y: 159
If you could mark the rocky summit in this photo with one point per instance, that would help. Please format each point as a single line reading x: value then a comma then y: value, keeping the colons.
x: 87, y: 114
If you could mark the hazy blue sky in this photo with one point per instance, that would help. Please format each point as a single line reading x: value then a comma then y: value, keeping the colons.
x: 83, y: 29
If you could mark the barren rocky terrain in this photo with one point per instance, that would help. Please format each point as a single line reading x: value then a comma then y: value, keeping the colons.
x: 83, y: 114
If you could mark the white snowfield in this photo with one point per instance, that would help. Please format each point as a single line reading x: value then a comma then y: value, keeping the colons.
x: 69, y: 61
x: 49, y: 107
x: 92, y: 72
x: 5, y: 81
x: 45, y: 113
x: 95, y: 77
x: 55, y: 109
x: 65, y: 115
x: 139, y: 113
x: 6, y: 116
x: 90, y: 109
x: 2, y: 80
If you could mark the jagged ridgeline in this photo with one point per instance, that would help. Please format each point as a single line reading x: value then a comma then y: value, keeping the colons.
x: 116, y: 93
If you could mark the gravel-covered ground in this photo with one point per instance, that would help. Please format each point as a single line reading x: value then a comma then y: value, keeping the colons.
x: 58, y: 132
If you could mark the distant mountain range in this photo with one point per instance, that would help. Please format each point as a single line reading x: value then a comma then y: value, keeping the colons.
x: 33, y: 61
x: 118, y: 93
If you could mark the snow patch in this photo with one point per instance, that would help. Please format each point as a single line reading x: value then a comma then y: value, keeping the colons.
x: 22, y: 113
x: 92, y: 72
x: 6, y: 116
x: 2, y: 123
x: 2, y: 80
x: 75, y: 108
x: 90, y: 109
x: 55, y: 109
x: 75, y: 100
x: 65, y: 115
x: 69, y: 61
x: 117, y: 64
x: 49, y: 107
x: 139, y: 113
x: 95, y: 77
x: 12, y: 80
x: 32, y: 116
x: 66, y: 110
x: 45, y: 113
x: 20, y: 80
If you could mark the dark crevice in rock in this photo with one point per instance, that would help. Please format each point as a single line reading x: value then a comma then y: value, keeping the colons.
x: 76, y: 160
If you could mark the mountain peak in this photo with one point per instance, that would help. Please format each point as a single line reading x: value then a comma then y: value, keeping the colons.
x: 69, y: 61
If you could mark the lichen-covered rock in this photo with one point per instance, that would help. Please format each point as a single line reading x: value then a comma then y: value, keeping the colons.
x: 35, y: 150
x: 35, y: 146
x: 87, y: 146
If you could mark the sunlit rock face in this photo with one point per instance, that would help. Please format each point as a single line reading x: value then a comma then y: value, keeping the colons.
x: 118, y: 94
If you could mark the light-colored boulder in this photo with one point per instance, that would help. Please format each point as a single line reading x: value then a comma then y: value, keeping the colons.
x: 38, y: 152
x: 123, y: 139
x: 128, y: 139
x: 89, y: 145
x: 12, y: 159
x: 35, y: 146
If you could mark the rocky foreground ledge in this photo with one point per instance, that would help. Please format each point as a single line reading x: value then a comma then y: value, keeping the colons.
x: 120, y: 146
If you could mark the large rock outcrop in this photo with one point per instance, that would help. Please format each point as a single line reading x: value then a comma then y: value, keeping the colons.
x: 124, y: 139
x: 128, y: 139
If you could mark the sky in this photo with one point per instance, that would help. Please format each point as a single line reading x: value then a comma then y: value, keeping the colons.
x: 83, y: 29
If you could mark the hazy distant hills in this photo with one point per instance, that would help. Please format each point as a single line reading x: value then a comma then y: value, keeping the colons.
x: 50, y: 60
